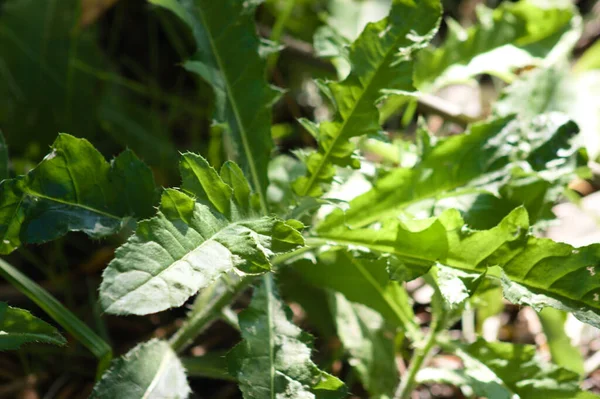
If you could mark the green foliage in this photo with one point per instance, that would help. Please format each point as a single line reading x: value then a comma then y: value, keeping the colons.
x: 514, y: 35
x: 428, y: 229
x: 380, y: 62
x: 273, y: 360
x: 208, y: 229
x: 484, y: 173
x: 150, y: 370
x: 18, y: 327
x: 74, y: 189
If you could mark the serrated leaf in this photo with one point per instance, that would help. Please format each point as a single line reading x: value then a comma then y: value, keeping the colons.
x: 18, y: 327
x: 150, y: 370
x: 536, y: 271
x: 501, y: 164
x: 556, y: 89
x: 74, y: 189
x: 514, y: 35
x: 369, y: 344
x: 228, y: 59
x: 379, y: 60
x: 489, y: 369
x: 197, y: 235
x: 365, y: 281
x: 273, y: 360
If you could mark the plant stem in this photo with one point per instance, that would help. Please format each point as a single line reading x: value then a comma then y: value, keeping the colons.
x: 221, y: 294
x: 421, y: 352
x: 60, y: 314
x: 278, y: 31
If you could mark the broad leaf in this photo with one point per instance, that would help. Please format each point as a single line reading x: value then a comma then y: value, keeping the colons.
x: 513, y: 36
x: 365, y: 281
x: 535, y: 271
x: 369, y: 345
x: 273, y: 360
x: 209, y: 229
x: 489, y: 370
x: 18, y: 327
x: 563, y: 352
x: 379, y: 61
x: 485, y: 173
x: 228, y: 58
x: 556, y: 89
x: 150, y: 370
x: 74, y: 189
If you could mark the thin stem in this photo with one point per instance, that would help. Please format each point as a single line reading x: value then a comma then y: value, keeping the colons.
x: 421, y: 352
x: 278, y: 31
x: 205, y: 312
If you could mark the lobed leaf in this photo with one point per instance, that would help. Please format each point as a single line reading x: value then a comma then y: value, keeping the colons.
x: 273, y: 360
x: 18, y: 327
x: 535, y: 271
x: 150, y: 370
x: 369, y: 345
x: 227, y: 58
x: 485, y: 173
x: 513, y: 36
x: 379, y: 61
x: 209, y: 229
x: 74, y: 189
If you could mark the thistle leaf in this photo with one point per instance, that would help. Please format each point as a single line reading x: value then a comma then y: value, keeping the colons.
x: 150, y: 370
x: 198, y: 234
x: 379, y: 60
x: 243, y: 98
x: 273, y: 360
x: 18, y: 327
x: 74, y: 189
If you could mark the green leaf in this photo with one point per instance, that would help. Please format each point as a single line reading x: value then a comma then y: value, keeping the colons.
x: 379, y: 61
x: 58, y: 313
x: 556, y: 89
x: 535, y: 271
x: 209, y: 229
x: 563, y: 352
x: 74, y: 189
x: 150, y: 370
x: 501, y: 164
x: 365, y: 281
x: 490, y: 372
x: 18, y: 326
x: 273, y: 360
x: 210, y: 365
x: 514, y: 35
x: 369, y: 344
x: 589, y: 60
x: 227, y: 58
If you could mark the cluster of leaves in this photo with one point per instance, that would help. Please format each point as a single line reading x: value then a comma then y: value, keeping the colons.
x: 462, y: 216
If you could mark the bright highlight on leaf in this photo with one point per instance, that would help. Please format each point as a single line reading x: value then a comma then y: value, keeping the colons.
x: 208, y: 229
x: 150, y: 370
x: 74, y: 189
x: 380, y: 61
x: 273, y: 360
x: 18, y: 327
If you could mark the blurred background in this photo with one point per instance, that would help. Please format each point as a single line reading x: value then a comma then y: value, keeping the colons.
x: 109, y: 71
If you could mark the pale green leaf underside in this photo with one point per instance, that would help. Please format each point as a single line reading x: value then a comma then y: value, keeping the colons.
x: 228, y: 59
x: 150, y: 370
x: 485, y: 173
x: 274, y: 358
x: 537, y: 271
x: 18, y: 327
x: 194, y: 239
x: 512, y: 36
x: 379, y: 60
x: 369, y: 345
x: 74, y: 189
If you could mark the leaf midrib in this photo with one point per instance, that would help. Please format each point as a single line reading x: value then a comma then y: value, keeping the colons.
x: 234, y: 107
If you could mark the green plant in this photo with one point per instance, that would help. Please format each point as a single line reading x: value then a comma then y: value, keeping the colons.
x: 462, y: 217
